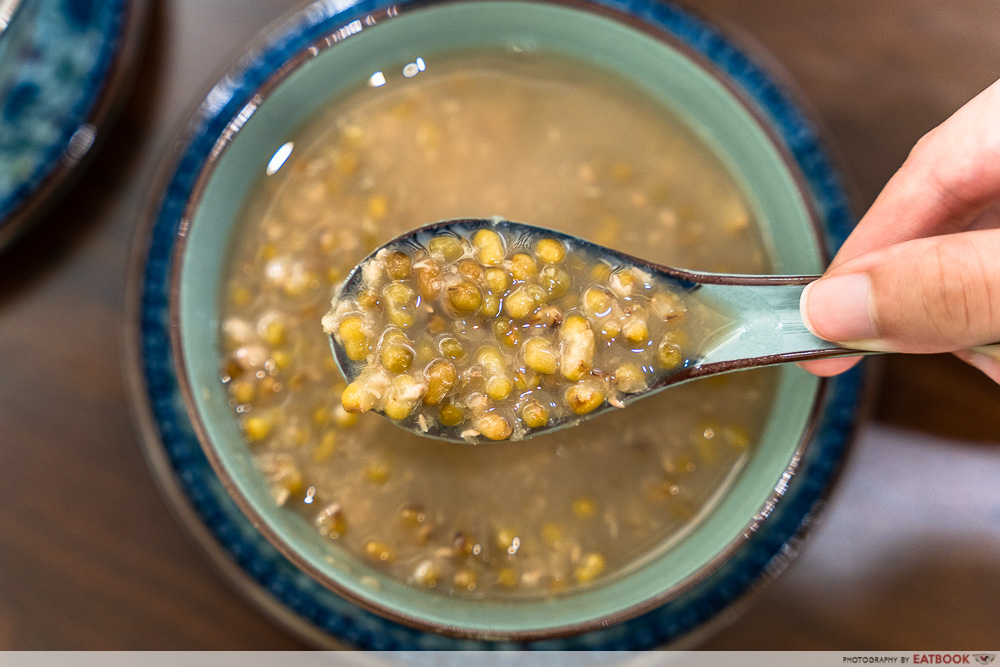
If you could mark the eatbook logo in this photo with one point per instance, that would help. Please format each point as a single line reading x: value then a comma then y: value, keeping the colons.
x: 985, y: 658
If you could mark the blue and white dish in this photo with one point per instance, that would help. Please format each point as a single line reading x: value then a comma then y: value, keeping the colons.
x: 280, y: 572
x: 63, y: 66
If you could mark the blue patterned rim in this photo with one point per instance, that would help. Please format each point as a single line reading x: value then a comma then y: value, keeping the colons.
x: 61, y: 63
x: 303, y: 602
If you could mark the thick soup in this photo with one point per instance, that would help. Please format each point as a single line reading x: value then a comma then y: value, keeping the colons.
x: 528, y: 137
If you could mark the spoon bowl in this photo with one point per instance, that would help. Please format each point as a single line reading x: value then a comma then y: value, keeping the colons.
x: 748, y: 321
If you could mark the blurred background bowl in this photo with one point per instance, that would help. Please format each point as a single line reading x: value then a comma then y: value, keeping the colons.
x: 64, y: 68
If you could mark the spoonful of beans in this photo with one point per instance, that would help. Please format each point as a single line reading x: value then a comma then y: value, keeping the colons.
x: 486, y: 330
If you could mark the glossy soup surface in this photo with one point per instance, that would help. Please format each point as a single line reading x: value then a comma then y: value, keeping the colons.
x: 528, y: 137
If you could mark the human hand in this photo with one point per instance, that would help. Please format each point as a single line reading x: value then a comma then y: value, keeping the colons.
x: 921, y: 271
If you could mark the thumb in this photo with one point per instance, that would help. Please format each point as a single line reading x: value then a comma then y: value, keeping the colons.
x: 936, y: 294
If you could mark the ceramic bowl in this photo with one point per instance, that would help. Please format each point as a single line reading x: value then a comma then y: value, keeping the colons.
x: 64, y: 69
x: 763, y: 139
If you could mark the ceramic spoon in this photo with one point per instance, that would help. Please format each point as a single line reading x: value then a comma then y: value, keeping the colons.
x: 763, y: 324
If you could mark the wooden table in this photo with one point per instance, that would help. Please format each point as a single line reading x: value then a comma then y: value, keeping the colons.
x: 91, y: 557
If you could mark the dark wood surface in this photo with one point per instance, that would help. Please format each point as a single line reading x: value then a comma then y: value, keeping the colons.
x: 91, y: 556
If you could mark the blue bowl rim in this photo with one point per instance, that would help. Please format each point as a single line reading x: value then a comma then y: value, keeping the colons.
x: 791, y: 132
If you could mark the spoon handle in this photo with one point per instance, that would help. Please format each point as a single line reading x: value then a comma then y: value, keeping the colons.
x: 767, y: 326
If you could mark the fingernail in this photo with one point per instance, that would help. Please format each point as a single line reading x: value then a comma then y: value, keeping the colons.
x: 839, y: 308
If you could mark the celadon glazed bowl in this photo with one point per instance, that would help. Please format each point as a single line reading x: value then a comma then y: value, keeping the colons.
x: 306, y: 60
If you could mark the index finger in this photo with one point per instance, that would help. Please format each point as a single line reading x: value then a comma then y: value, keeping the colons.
x: 950, y: 177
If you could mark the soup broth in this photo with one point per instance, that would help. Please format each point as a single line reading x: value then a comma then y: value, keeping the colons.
x: 529, y: 137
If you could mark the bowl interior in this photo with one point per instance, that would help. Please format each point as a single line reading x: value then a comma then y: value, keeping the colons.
x: 691, y: 90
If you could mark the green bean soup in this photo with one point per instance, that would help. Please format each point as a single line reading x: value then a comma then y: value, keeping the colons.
x: 495, y: 331
x: 530, y: 137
